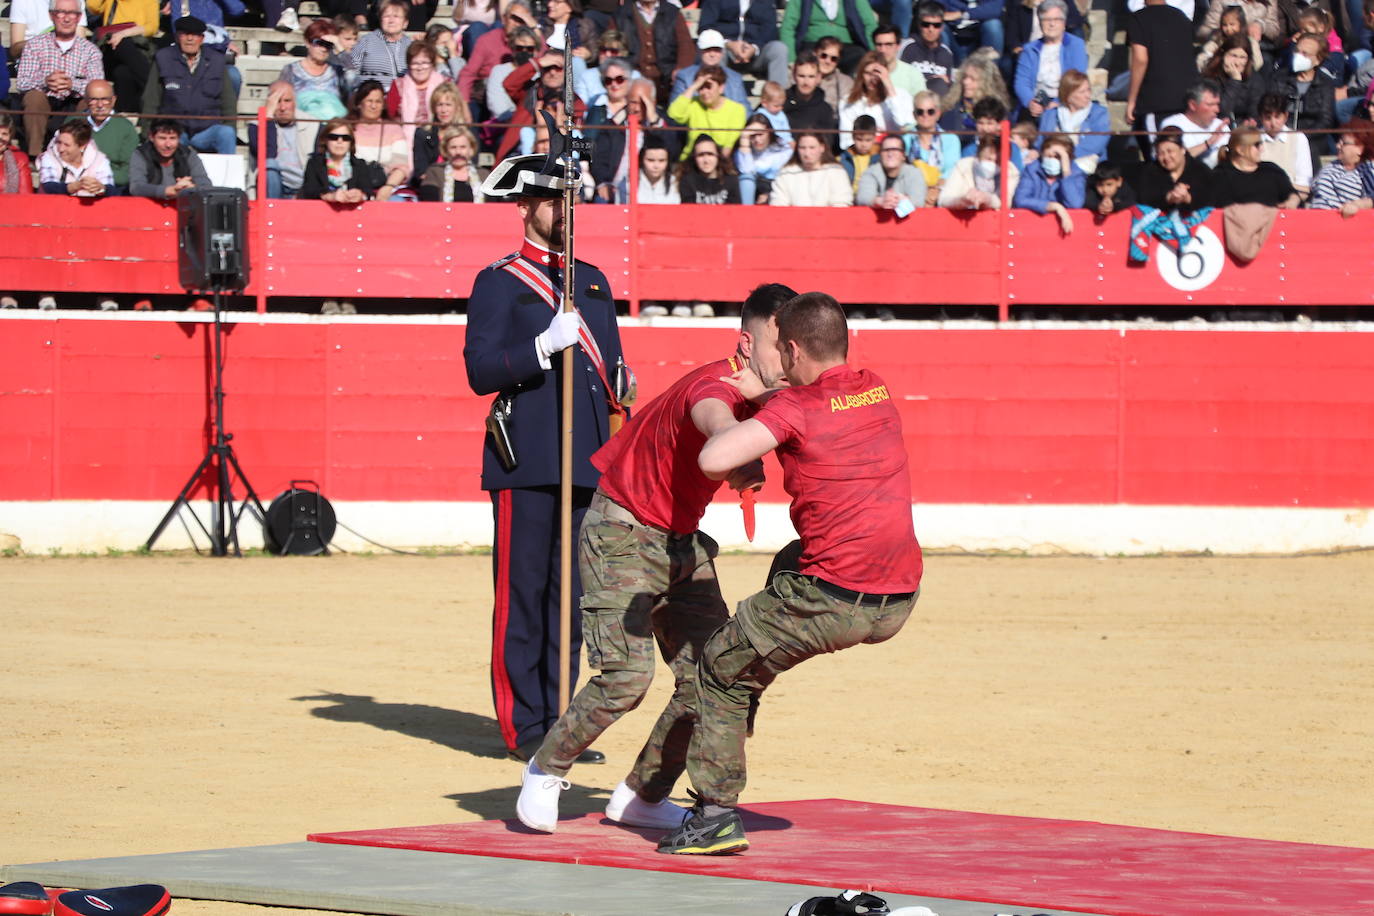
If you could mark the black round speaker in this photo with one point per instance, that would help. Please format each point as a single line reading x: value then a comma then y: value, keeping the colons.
x: 300, y: 521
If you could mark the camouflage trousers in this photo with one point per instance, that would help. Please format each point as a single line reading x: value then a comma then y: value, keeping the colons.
x: 641, y: 587
x: 777, y: 629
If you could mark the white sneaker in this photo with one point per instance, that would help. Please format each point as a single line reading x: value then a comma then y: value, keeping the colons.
x: 8, y: 302
x: 653, y: 311
x: 681, y: 310
x: 626, y: 807
x: 537, y: 807
x: 703, y: 310
x: 47, y: 303
x: 289, y: 21
x: 109, y: 305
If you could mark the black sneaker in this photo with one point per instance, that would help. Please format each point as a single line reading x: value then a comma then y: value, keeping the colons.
x: 700, y: 835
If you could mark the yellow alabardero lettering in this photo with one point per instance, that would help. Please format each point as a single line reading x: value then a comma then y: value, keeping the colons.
x: 862, y: 399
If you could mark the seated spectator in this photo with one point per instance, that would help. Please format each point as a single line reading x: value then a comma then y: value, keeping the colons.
x: 772, y: 99
x: 1234, y: 73
x: 1318, y: 21
x: 804, y: 103
x: 524, y: 44
x: 1359, y: 89
x: 610, y: 167
x: 612, y: 109
x: 335, y: 174
x: 347, y: 31
x: 494, y: 47
x: 859, y: 155
x: 534, y: 86
x: 188, y: 83
x: 805, y: 23
x: 126, y: 43
x: 976, y: 79
x: 1262, y: 14
x: 374, y: 138
x: 316, y: 74
x: 456, y: 179
x: 707, y: 176
x: 53, y: 73
x: 476, y: 18
x: 1022, y: 26
x: 1108, y: 192
x: 1081, y: 118
x: 1348, y: 183
x: 658, y: 42
x: 887, y: 41
x: 932, y: 145
x: 446, y: 109
x: 1204, y: 133
x: 450, y: 62
x: 1174, y: 180
x: 972, y: 25
x: 380, y: 54
x: 1025, y: 138
x: 162, y: 168
x: 73, y: 165
x: 928, y: 51
x: 711, y: 53
x: 15, y: 174
x: 407, y: 101
x: 28, y: 19
x: 1245, y: 178
x: 655, y: 177
x: 705, y: 109
x: 988, y: 115
x: 611, y: 44
x: 752, y: 42
x: 1236, y: 33
x: 812, y: 178
x: 976, y: 182
x: 114, y: 136
x: 1044, y: 61
x: 873, y: 94
x: 289, y: 143
x: 835, y: 82
x: 1053, y: 183
x: 213, y: 13
x: 892, y: 183
x: 1311, y: 94
x: 761, y: 155
x: 1283, y: 146
x: 564, y: 18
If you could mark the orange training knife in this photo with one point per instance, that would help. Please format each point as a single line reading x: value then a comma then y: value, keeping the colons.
x: 746, y: 505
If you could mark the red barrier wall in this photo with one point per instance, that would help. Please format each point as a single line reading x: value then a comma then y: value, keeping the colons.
x: 118, y: 408
x: 309, y: 248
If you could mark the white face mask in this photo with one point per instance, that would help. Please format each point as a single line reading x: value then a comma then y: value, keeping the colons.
x: 1301, y: 62
x: 1052, y: 166
x: 985, y: 168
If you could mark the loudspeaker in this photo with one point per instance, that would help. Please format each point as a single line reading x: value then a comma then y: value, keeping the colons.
x: 212, y: 238
x: 300, y: 521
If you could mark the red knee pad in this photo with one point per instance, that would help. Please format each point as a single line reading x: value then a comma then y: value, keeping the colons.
x: 25, y: 898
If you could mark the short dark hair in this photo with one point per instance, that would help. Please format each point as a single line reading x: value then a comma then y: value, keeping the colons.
x: 1057, y: 139
x: 989, y: 107
x: 817, y: 323
x: 864, y: 122
x: 1171, y: 134
x: 886, y: 29
x: 828, y: 40
x: 1106, y: 171
x: 164, y: 125
x: 712, y: 73
x: 80, y: 131
x: 809, y: 58
x: 764, y: 301
x: 1272, y: 103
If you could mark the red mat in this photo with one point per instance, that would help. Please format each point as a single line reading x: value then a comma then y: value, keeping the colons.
x: 1019, y: 861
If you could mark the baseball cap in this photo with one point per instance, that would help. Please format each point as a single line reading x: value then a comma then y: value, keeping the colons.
x: 710, y: 39
x: 189, y: 25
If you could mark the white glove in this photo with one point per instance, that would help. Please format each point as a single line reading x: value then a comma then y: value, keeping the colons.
x: 561, y: 334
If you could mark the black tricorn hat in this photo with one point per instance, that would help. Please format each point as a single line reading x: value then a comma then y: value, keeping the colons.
x: 538, y: 175
x: 135, y: 900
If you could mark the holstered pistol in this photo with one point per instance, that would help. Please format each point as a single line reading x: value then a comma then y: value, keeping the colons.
x: 498, y: 427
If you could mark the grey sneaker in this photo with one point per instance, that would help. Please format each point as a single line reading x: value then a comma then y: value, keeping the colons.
x: 330, y: 307
x: 700, y: 835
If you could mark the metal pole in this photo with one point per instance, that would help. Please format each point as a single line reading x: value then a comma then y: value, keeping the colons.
x: 572, y: 176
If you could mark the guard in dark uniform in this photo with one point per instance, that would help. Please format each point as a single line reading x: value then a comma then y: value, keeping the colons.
x: 516, y: 333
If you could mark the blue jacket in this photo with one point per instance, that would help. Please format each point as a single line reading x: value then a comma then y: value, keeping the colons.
x: 1073, y: 55
x: 734, y: 84
x: 1099, y: 122
x: 760, y: 24
x: 504, y: 317
x: 1034, y: 192
x: 4, y: 73
x: 977, y: 10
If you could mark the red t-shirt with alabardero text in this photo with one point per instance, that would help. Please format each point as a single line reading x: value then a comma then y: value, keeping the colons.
x: 844, y: 465
x: 650, y: 467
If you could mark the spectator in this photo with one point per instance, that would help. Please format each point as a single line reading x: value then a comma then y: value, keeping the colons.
x: 1108, y: 192
x: 752, y: 42
x: 213, y: 13
x: 188, y: 83
x: 1045, y: 60
x: 974, y: 24
x: 1162, y: 69
x: 289, y: 143
x: 761, y: 155
x: 1283, y: 146
x: 534, y: 90
x: 1053, y: 183
x: 126, y: 41
x: 450, y: 60
x: 315, y: 77
x: 564, y: 19
x: 407, y: 101
x: 805, y: 104
x: 857, y: 157
x: 712, y: 48
x: 335, y: 174
x: 657, y: 41
x: 1310, y: 93
x: 611, y: 111
x: 655, y: 178
x: 53, y: 73
x: 835, y: 83
x: 1204, y: 133
x: 1245, y: 178
x: 494, y: 47
x: 476, y: 18
x: 812, y: 178
x: 1174, y: 180
x: 16, y: 176
x: 524, y: 44
x: 381, y: 54
x: 4, y: 74
x: 162, y: 168
x: 1024, y: 137
x: 772, y: 101
x: 929, y: 53
x: 976, y: 182
x: 1348, y: 183
x: 73, y: 165
x: 1232, y: 69
x: 892, y: 183
x: 456, y: 179
x: 374, y: 138
x: 706, y: 176
x: 1245, y: 35
x: 849, y: 22
x: 1344, y: 17
x: 887, y: 41
x: 705, y: 109
x: 977, y: 78
x: 346, y: 30
x: 610, y: 156
x: 446, y: 109
x: 988, y: 115
x: 931, y: 144
x: 1318, y: 22
x: 28, y: 19
x: 113, y: 136
x: 1077, y: 115
x: 1263, y: 13
x: 611, y: 44
x: 1022, y: 27
x: 874, y: 95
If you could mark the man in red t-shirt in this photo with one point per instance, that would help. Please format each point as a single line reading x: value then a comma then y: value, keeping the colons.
x: 839, y: 440
x: 648, y: 576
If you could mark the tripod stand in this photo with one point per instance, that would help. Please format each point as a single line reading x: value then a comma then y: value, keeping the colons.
x: 224, y: 517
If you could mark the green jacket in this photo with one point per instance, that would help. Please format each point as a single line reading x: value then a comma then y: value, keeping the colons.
x: 818, y: 25
x: 117, y: 139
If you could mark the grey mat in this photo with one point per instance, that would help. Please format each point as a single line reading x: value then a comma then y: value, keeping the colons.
x: 402, y: 882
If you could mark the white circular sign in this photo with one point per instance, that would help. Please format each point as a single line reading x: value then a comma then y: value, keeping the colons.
x: 1198, y: 263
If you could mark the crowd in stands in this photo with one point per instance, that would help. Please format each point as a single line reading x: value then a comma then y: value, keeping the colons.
x: 895, y: 105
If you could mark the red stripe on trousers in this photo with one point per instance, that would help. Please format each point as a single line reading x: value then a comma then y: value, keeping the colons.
x: 504, y: 696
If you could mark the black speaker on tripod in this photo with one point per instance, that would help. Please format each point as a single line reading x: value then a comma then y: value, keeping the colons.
x: 212, y: 238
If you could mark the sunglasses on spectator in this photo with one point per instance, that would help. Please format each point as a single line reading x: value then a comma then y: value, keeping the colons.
x: 320, y: 43
x: 614, y: 52
x: 552, y: 67
x: 338, y: 136
x: 932, y: 25
x: 823, y: 56
x: 616, y: 80
x: 927, y: 111
x: 523, y: 49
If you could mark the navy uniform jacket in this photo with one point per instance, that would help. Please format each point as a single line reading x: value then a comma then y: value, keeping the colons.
x: 504, y: 317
